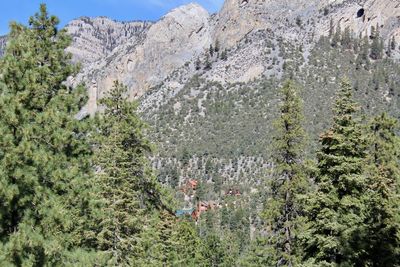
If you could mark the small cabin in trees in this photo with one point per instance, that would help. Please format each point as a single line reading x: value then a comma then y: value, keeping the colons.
x: 184, y: 212
x: 191, y: 184
x: 196, y: 212
x: 233, y: 192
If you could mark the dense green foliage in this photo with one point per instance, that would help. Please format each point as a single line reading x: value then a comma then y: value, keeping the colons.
x: 44, y: 151
x: 336, y: 210
x: 383, y: 222
x: 77, y: 192
x: 283, y: 207
x: 127, y: 190
x: 83, y: 193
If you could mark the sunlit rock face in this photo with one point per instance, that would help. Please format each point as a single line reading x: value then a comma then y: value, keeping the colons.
x: 96, y: 38
x: 240, y: 17
x: 145, y: 59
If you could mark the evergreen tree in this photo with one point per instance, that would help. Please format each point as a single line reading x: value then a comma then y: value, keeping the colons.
x: 376, y: 45
x: 188, y: 249
x: 224, y: 55
x: 198, y: 64
x: 207, y: 63
x: 220, y: 249
x: 45, y: 170
x: 217, y: 46
x: 393, y: 43
x: 127, y: 189
x: 346, y: 38
x: 336, y: 212
x: 383, y: 231
x: 259, y: 253
x: 331, y: 28
x: 283, y: 208
x: 337, y: 37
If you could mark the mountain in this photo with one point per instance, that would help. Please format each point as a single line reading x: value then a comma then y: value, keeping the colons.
x: 144, y: 54
x: 208, y: 86
x: 207, y: 83
x: 96, y: 38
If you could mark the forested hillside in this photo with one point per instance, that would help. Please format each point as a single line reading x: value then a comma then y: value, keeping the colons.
x: 297, y: 166
x: 223, y: 135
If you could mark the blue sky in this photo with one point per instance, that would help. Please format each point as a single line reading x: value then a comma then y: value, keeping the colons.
x: 66, y: 10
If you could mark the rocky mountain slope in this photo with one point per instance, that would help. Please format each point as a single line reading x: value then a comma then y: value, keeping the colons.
x: 96, y: 38
x: 144, y: 55
x: 207, y: 84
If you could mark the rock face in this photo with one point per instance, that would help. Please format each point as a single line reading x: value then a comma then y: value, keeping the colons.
x: 167, y: 53
x: 241, y: 17
x: 96, y: 38
x: 146, y: 59
x: 363, y: 16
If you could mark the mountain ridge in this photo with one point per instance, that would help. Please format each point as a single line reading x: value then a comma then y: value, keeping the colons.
x: 302, y: 22
x: 166, y: 53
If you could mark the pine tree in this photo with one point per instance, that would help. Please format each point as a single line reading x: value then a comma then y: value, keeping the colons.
x: 217, y: 46
x: 188, y: 249
x: 207, y: 63
x: 220, y: 249
x: 336, y: 211
x: 331, y: 28
x: 346, y: 38
x: 45, y: 170
x: 283, y: 208
x: 389, y: 48
x: 211, y: 50
x: 337, y: 37
x: 259, y: 253
x: 127, y: 189
x: 198, y: 64
x: 363, y: 55
x: 383, y: 231
x: 393, y: 43
x: 376, y: 46
x: 224, y: 55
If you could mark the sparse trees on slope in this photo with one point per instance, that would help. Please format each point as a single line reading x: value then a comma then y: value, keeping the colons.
x: 283, y: 208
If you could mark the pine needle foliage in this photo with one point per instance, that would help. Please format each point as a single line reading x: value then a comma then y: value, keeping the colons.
x: 127, y: 189
x: 383, y: 172
x: 44, y: 151
x: 336, y: 211
x: 283, y: 209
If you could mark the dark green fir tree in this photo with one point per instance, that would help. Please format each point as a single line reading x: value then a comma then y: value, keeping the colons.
x: 383, y: 231
x: 336, y: 211
x: 283, y: 208
x: 130, y: 196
